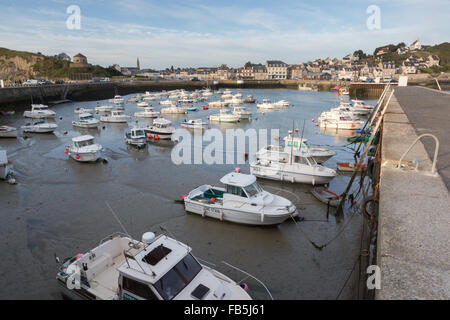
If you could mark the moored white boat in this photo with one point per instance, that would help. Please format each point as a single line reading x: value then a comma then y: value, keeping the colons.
x: 8, y: 132
x: 39, y: 111
x: 156, y: 268
x: 82, y: 110
x: 115, y: 116
x: 266, y: 104
x: 142, y: 104
x: 241, y: 112
x: 148, y: 112
x: 136, y: 137
x: 86, y: 120
x: 39, y: 127
x: 225, y: 115
x: 173, y: 109
x: 6, y: 172
x: 166, y: 102
x: 273, y: 162
x: 83, y: 149
x: 320, y: 155
x: 117, y: 100
x: 161, y: 129
x: 217, y: 104
x: 103, y: 109
x: 194, y: 124
x: 241, y: 201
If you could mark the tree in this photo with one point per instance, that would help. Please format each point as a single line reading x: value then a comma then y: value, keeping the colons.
x: 360, y: 54
x: 248, y: 64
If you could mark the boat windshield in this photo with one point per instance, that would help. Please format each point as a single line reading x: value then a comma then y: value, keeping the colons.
x: 85, y: 143
x: 253, y: 189
x: 139, y: 133
x: 174, y: 281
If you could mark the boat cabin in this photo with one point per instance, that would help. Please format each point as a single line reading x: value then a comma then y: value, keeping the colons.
x: 296, y: 143
x: 161, y: 123
x: 35, y: 107
x: 136, y: 133
x: 242, y: 185
x: 83, y: 141
x: 86, y: 117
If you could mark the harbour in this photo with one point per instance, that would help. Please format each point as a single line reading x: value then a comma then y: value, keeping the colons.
x: 323, y: 246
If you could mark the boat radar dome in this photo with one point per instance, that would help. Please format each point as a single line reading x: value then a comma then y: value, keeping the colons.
x: 148, y: 237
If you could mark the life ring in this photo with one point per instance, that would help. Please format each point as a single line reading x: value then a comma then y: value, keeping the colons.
x: 363, y: 207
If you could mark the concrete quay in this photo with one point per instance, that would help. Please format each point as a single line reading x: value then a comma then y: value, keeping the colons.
x: 413, y: 247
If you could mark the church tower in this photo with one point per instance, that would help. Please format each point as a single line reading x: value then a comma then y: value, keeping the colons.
x: 138, y: 64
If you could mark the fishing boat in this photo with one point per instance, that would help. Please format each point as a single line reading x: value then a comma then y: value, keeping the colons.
x: 156, y: 268
x: 242, y: 200
x: 273, y: 162
x: 149, y: 98
x: 8, y: 132
x: 249, y: 99
x: 39, y: 111
x: 86, y: 120
x: 103, y: 109
x: 266, y: 104
x: 339, y: 120
x: 192, y: 109
x: 282, y: 104
x: 225, y: 115
x: 218, y: 104
x: 7, y: 113
x: 326, y: 196
x: 136, y: 137
x: 173, y: 109
x: 234, y: 101
x: 361, y: 104
x: 349, y: 166
x: 116, y: 116
x: 6, y: 172
x: 161, y: 129
x: 166, y: 102
x: 82, y: 110
x: 136, y: 98
x: 142, y: 104
x: 207, y: 93
x: 117, y: 100
x: 39, y: 127
x: 194, y: 124
x: 320, y: 155
x: 186, y: 101
x: 148, y: 112
x: 241, y: 112
x: 83, y: 149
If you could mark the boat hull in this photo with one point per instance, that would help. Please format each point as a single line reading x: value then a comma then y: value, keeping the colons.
x: 85, y: 157
x: 85, y: 125
x: 161, y: 135
x: 236, y: 216
x: 289, y: 176
x: 8, y: 134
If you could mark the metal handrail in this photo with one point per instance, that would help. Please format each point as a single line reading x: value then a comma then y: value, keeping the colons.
x: 436, y: 150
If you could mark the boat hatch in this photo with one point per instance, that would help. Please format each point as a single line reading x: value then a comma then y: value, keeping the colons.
x: 156, y: 255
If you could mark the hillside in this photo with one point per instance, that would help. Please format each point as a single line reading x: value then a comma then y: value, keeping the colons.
x: 21, y: 65
x: 441, y: 50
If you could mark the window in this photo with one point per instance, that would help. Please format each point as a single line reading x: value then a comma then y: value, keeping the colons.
x: 253, y: 189
x: 156, y: 255
x: 174, y: 281
x: 236, y: 191
x: 138, y: 288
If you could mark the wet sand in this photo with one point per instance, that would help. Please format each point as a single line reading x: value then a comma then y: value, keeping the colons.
x: 58, y: 206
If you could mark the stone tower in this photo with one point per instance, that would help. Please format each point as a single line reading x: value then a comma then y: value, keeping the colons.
x: 138, y: 65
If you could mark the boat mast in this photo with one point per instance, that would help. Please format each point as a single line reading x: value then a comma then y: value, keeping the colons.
x: 301, y: 138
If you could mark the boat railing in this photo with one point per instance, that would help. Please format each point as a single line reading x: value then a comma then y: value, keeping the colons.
x: 112, y: 236
x: 251, y: 276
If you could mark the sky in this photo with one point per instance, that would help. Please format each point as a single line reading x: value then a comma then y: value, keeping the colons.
x: 198, y: 33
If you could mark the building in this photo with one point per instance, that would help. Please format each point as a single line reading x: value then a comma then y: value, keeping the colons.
x: 387, y: 68
x: 415, y: 46
x: 316, y: 76
x: 276, y: 70
x: 79, y: 61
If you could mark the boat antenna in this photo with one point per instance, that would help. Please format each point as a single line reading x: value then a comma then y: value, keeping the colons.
x: 173, y: 237
x: 292, y: 140
x: 117, y: 219
x: 301, y: 138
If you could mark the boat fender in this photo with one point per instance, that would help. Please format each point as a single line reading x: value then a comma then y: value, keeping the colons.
x: 77, y: 157
x: 237, y: 170
x: 66, y: 151
x: 85, y: 266
x: 183, y: 197
x: 212, y: 200
x: 244, y: 286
